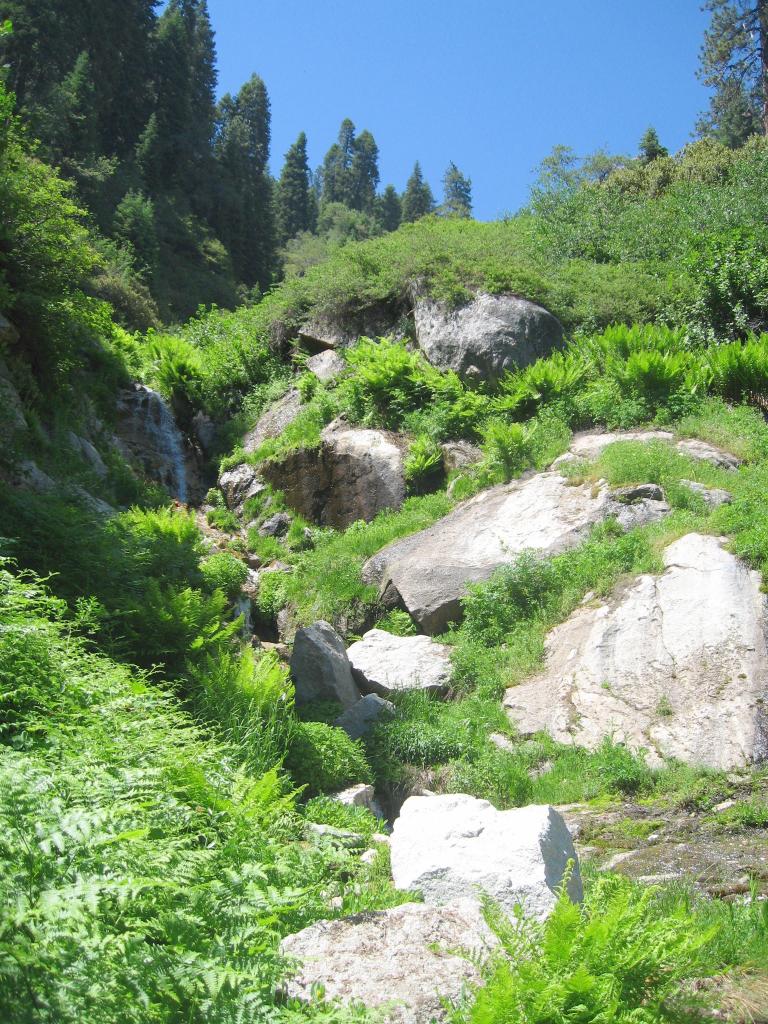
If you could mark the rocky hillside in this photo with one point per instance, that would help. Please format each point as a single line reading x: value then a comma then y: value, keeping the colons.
x: 397, y: 643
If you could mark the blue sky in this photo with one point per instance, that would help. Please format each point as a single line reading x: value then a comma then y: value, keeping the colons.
x: 491, y: 84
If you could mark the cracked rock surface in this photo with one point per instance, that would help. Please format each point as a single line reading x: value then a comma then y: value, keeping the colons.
x: 675, y: 663
x: 428, y: 572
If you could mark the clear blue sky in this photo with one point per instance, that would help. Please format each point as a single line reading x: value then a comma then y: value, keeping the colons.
x: 491, y: 84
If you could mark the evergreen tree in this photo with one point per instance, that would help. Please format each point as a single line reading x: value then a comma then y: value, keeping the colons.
x: 293, y: 193
x: 417, y: 199
x: 244, y: 208
x: 52, y: 43
x: 457, y: 193
x: 650, y: 147
x: 734, y: 62
x: 332, y: 176
x: 733, y: 115
x: 185, y: 106
x: 363, y: 175
x: 389, y: 209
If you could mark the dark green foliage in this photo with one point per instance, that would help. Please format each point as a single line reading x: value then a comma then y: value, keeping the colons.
x: 243, y: 203
x: 734, y: 62
x: 417, y: 199
x: 389, y: 209
x: 324, y: 759
x: 650, y: 148
x: 457, y: 193
x: 294, y: 211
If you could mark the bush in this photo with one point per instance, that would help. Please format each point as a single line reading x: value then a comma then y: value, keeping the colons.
x: 324, y: 759
x: 223, y: 571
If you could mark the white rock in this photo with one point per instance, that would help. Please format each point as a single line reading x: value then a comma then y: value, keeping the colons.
x: 708, y: 453
x: 676, y: 664
x: 428, y: 572
x: 404, y: 961
x: 360, y: 795
x: 383, y: 663
x: 590, y: 445
x: 456, y: 846
x: 239, y: 484
x: 326, y: 365
x: 320, y: 667
x: 713, y: 497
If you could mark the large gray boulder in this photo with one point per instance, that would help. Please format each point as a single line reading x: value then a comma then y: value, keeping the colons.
x: 456, y: 846
x: 489, y: 336
x: 404, y: 962
x: 320, y: 667
x: 383, y: 663
x: 239, y: 484
x: 353, y: 474
x: 675, y: 663
x: 360, y: 718
x: 428, y: 572
x: 273, y: 420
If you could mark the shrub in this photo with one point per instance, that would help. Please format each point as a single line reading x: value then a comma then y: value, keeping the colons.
x: 324, y: 811
x: 223, y: 571
x: 324, y: 759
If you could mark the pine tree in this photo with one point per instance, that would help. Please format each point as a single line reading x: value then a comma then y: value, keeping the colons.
x: 457, y: 193
x: 650, y: 148
x: 417, y: 199
x: 734, y: 62
x: 293, y: 193
x: 243, y: 208
x: 389, y: 209
x: 363, y: 175
x: 185, y: 107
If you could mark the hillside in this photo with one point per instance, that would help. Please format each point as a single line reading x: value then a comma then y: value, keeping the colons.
x: 467, y: 512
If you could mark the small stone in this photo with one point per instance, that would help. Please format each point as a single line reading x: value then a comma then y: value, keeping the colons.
x: 358, y: 720
x: 384, y: 663
x: 276, y: 526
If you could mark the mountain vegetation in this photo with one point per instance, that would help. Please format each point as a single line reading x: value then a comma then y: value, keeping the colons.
x: 167, y: 799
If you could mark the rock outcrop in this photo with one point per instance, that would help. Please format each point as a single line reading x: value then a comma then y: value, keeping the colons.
x: 358, y: 720
x: 676, y: 664
x: 456, y: 846
x: 590, y: 444
x: 147, y: 434
x: 353, y: 474
x: 273, y: 420
x: 428, y: 572
x: 404, y: 962
x: 239, y: 484
x: 345, y: 328
x: 487, y: 337
x: 320, y: 667
x: 384, y: 664
x: 11, y: 409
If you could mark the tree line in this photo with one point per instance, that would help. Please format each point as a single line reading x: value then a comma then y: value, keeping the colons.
x: 177, y: 185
